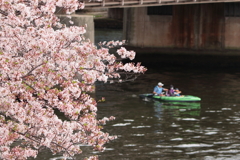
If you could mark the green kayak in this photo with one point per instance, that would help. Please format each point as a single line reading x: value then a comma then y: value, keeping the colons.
x: 184, y: 98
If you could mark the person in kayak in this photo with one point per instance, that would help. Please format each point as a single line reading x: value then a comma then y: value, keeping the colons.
x: 158, y: 90
x: 173, y: 92
x: 177, y: 92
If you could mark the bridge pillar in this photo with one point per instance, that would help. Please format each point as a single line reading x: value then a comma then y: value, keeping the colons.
x: 198, y: 26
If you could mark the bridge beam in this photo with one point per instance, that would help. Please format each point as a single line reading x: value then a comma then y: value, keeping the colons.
x: 144, y: 3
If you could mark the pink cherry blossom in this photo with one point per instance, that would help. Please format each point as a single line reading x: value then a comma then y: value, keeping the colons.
x: 47, y: 71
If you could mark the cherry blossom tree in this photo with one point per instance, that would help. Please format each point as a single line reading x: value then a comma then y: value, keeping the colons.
x: 47, y: 67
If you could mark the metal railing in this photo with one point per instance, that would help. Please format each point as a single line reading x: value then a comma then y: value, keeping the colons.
x: 145, y: 3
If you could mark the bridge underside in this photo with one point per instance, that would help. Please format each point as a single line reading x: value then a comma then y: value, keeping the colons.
x: 145, y: 3
x: 202, y: 26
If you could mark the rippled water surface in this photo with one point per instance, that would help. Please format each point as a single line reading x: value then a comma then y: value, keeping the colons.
x: 152, y: 130
x: 156, y: 130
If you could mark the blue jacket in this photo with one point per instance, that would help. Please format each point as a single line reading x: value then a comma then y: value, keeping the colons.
x: 158, y: 90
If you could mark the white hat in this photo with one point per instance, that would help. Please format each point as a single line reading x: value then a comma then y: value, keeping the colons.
x: 160, y: 84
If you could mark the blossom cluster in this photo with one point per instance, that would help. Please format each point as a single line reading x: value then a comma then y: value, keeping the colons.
x: 46, y: 67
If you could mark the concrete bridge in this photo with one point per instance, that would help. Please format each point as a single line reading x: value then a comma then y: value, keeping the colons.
x: 178, y: 24
x: 145, y: 3
x: 194, y: 24
x: 194, y: 32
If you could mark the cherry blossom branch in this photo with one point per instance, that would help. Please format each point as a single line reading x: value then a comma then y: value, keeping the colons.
x: 3, y: 12
x: 42, y: 98
x: 36, y: 139
x: 29, y: 73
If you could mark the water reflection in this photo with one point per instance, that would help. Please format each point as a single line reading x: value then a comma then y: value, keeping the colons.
x: 177, y: 109
x: 102, y: 35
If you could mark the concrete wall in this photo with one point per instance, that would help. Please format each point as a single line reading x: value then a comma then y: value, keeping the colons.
x: 80, y: 20
x: 142, y: 30
x: 232, y: 32
x: 198, y: 26
x: 201, y: 26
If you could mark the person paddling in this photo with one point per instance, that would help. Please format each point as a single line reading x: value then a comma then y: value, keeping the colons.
x: 158, y: 90
x: 173, y: 92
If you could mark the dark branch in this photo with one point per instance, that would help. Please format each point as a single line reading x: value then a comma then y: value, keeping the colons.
x: 3, y: 12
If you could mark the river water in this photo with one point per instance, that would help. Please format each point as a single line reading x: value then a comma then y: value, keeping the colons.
x: 152, y: 130
x: 155, y: 130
